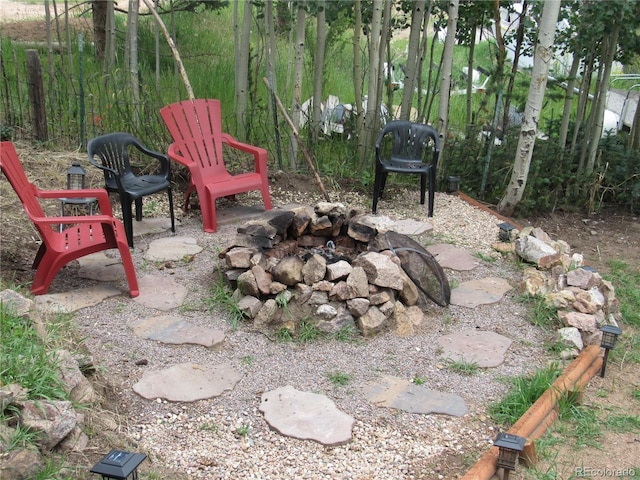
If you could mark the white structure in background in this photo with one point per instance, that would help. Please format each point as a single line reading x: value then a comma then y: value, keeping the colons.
x: 335, y: 114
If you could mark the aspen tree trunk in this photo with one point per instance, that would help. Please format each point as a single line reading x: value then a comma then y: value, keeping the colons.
x: 611, y: 44
x: 242, y: 71
x: 110, y: 39
x: 357, y: 65
x: 132, y: 31
x: 411, y: 69
x: 583, y: 99
x: 568, y: 102
x: 321, y: 38
x: 369, y: 124
x: 542, y: 58
x: 298, y: 67
x: 514, y: 67
x: 445, y: 85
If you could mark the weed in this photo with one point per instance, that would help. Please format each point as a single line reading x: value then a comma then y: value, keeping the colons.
x: 308, y: 332
x: 623, y: 423
x: 248, y: 360
x: 447, y: 319
x: 242, y: 430
x: 636, y: 393
x: 418, y: 380
x: 484, y: 257
x: 339, y: 378
x: 463, y: 367
x: 221, y: 296
x: 284, y: 335
x: 539, y: 313
x: 209, y: 427
x: 347, y: 334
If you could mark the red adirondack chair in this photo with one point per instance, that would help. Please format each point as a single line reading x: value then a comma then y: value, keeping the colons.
x: 196, y: 128
x: 87, y: 233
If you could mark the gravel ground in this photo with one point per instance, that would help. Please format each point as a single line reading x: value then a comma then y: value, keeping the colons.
x: 227, y: 437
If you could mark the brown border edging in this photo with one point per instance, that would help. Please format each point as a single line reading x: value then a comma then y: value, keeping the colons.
x: 476, y: 203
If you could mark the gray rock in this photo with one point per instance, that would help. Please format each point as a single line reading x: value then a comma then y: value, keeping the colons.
x: 171, y: 249
x: 160, y: 292
x: 21, y: 464
x: 17, y: 304
x: 380, y: 270
x: 175, y: 330
x: 479, y: 292
x: 450, y: 256
x: 52, y: 419
x: 532, y: 249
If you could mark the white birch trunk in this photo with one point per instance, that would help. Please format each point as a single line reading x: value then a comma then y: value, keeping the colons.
x: 417, y: 17
x: 318, y: 69
x: 542, y: 58
x: 242, y: 71
x: 447, y: 66
x: 298, y: 66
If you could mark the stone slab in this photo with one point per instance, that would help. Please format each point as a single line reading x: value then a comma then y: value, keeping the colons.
x: 412, y: 227
x: 239, y: 213
x: 160, y: 292
x: 483, y: 291
x: 398, y: 393
x: 452, y: 257
x: 171, y: 249
x: 15, y: 302
x: 483, y: 348
x: 187, y: 382
x: 98, y: 266
x: 306, y: 416
x: 175, y: 330
x: 148, y: 226
x: 68, y: 302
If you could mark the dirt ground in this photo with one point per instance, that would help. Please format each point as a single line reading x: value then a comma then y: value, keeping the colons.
x: 600, y: 238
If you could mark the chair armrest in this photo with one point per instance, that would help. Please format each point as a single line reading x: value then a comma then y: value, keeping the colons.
x: 161, y: 157
x: 176, y: 156
x: 74, y: 219
x: 259, y: 153
x: 99, y: 193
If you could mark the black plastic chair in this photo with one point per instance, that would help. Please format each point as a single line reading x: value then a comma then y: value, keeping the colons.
x: 405, y: 155
x: 112, y: 150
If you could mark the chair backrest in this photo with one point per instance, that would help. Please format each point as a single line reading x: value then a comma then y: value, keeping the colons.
x: 14, y: 171
x: 409, y: 140
x: 196, y: 129
x: 113, y: 151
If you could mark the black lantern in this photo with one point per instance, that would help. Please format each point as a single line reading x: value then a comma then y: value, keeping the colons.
x: 505, y: 231
x: 119, y: 465
x: 509, y: 448
x: 609, y: 336
x: 454, y: 185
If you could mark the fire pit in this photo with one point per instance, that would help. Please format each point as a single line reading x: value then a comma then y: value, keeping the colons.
x: 332, y: 268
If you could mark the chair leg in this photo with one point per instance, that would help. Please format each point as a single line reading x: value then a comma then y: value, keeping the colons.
x: 432, y: 191
x: 423, y: 187
x: 138, y: 209
x: 376, y: 190
x: 128, y: 221
x: 173, y: 222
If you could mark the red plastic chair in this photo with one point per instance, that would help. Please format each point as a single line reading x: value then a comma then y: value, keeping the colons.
x: 196, y: 128
x: 88, y: 234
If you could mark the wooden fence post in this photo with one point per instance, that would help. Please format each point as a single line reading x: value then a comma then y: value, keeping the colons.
x: 36, y: 97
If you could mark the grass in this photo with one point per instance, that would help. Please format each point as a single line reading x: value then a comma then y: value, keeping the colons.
x: 463, y: 367
x: 308, y: 332
x: 339, y: 378
x: 626, y: 280
x: 540, y: 314
x: 24, y: 358
x: 221, y: 296
x: 524, y: 391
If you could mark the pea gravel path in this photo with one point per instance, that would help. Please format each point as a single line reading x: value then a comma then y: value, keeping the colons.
x: 227, y: 437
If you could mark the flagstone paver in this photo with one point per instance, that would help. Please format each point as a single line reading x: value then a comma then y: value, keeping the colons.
x: 455, y: 258
x: 73, y: 300
x: 483, y: 348
x: 171, y: 249
x: 401, y: 394
x: 412, y: 227
x: 307, y: 416
x: 175, y: 330
x: 188, y: 382
x: 480, y: 292
x: 160, y: 292
x: 98, y: 266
